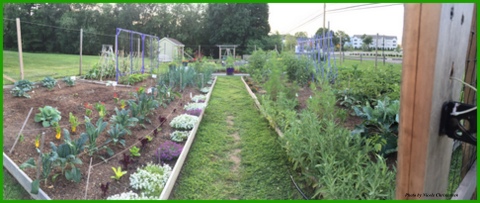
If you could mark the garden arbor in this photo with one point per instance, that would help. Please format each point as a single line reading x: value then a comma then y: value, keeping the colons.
x: 227, y: 50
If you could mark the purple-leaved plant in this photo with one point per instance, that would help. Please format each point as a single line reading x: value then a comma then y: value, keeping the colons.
x: 194, y: 112
x: 168, y: 151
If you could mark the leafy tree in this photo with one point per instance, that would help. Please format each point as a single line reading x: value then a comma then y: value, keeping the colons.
x: 301, y: 35
x: 367, y: 40
x: 290, y: 42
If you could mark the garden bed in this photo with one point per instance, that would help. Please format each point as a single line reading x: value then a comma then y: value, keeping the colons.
x: 73, y: 99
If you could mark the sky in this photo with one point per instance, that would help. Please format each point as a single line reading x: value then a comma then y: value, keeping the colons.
x: 289, y: 18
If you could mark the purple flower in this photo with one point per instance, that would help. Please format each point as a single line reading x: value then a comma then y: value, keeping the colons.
x: 194, y: 112
x: 168, y: 151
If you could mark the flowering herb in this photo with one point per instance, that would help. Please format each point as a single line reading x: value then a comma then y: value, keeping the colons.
x: 104, y: 188
x: 168, y: 151
x: 126, y: 161
x: 179, y: 136
x: 151, y: 179
x: 195, y: 106
x: 184, y: 122
x: 194, y: 112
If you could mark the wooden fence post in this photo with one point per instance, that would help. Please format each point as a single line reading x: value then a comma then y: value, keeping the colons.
x: 435, y: 50
x: 20, y: 53
x: 81, y: 48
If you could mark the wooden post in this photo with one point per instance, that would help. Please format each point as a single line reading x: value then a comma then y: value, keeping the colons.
x: 220, y: 53
x: 341, y: 48
x: 81, y: 48
x: 430, y: 32
x: 361, y: 57
x: 20, y: 53
x: 376, y: 52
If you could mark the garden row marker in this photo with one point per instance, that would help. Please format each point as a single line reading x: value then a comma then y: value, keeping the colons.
x: 88, y: 178
x: 19, y: 133
x: 435, y: 48
x: 20, y: 53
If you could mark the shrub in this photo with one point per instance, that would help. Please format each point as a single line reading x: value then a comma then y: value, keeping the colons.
x: 184, y: 122
x: 48, y: 115
x: 179, y: 136
x: 151, y: 179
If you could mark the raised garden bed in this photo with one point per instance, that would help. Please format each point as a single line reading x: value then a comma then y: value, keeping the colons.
x: 73, y: 99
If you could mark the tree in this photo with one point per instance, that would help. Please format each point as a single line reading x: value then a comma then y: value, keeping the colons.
x: 344, y: 36
x: 233, y: 23
x: 301, y: 35
x: 367, y: 40
x: 290, y: 42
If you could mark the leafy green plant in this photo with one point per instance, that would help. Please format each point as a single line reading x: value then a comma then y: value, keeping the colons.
x: 133, y: 79
x: 122, y: 117
x: 118, y: 173
x: 21, y: 87
x: 100, y: 107
x: 135, y: 151
x: 49, y: 82
x: 381, y: 120
x: 142, y: 106
x: 69, y: 80
x: 205, y: 90
x: 116, y: 133
x: 195, y: 106
x: 92, y: 132
x: 48, y: 115
x: 198, y: 98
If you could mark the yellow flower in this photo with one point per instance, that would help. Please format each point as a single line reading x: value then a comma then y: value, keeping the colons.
x: 58, y: 135
x: 37, y: 143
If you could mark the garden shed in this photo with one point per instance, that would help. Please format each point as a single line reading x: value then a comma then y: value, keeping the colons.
x: 170, y: 49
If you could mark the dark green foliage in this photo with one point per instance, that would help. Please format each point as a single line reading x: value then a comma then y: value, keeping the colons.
x: 70, y: 82
x: 133, y: 79
x: 142, y: 105
x: 92, y: 132
x: 123, y: 119
x: 299, y: 70
x: 49, y: 82
x: 21, y: 87
x: 116, y: 133
x: 381, y: 120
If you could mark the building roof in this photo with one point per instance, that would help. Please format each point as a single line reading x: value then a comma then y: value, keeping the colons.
x: 375, y: 36
x: 174, y: 41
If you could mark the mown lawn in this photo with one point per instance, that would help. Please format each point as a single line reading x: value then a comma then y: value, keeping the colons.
x: 235, y: 154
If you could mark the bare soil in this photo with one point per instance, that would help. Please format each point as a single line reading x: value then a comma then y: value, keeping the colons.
x: 72, y: 99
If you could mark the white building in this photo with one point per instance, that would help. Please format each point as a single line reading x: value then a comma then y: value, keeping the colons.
x: 389, y: 43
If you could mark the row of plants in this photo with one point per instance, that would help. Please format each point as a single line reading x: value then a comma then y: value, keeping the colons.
x: 334, y: 163
x: 21, y: 87
x: 151, y: 179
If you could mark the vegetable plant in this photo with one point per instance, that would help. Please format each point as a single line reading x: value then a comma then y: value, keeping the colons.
x: 93, y: 132
x: 122, y: 117
x: 37, y: 141
x: 73, y: 122
x: 195, y: 106
x: 69, y: 80
x: 21, y: 87
x: 49, y: 82
x: 100, y: 107
x: 116, y: 133
x: 142, y: 106
x: 58, y: 130
x: 104, y: 188
x: 48, y: 115
x: 135, y: 151
x: 88, y: 109
x: 126, y: 160
x: 118, y: 173
x: 184, y: 122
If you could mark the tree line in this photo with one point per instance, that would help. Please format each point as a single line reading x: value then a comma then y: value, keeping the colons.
x: 55, y: 28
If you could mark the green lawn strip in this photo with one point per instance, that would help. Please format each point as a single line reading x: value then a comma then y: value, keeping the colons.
x: 12, y: 190
x: 263, y: 170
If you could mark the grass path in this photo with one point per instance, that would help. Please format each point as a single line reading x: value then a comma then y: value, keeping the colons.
x: 235, y: 154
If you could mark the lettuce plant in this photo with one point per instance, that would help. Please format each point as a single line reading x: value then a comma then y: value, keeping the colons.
x: 179, y: 136
x: 184, y: 122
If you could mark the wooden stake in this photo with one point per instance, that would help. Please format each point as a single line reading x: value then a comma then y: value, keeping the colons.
x: 20, y: 53
x: 19, y: 133
x: 88, y: 178
x: 81, y: 48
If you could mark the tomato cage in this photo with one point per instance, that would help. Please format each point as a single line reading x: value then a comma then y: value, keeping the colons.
x: 131, y: 49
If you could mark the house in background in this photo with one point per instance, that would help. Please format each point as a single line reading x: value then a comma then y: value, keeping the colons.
x: 170, y: 50
x: 390, y: 41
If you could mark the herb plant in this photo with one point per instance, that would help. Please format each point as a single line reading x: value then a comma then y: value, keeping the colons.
x: 150, y: 179
x: 195, y: 106
x: 194, y: 112
x: 179, y: 136
x: 168, y: 151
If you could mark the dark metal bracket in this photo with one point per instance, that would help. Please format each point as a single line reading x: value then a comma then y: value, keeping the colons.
x: 454, y: 125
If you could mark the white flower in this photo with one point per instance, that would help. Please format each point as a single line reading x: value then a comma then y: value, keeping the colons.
x: 151, y: 179
x: 184, y: 121
x: 179, y: 136
x: 195, y: 106
x: 199, y: 97
x: 132, y: 196
x: 296, y: 94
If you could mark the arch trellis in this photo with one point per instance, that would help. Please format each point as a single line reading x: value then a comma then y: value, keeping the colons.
x: 142, y: 37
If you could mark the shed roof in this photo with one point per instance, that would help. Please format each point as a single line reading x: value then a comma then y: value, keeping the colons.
x: 174, y: 41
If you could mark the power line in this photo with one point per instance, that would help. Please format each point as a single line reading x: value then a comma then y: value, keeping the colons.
x: 339, y: 10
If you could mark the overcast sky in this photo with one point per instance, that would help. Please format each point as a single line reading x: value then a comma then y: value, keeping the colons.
x: 287, y: 18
